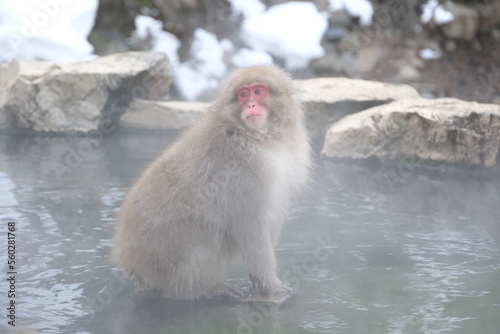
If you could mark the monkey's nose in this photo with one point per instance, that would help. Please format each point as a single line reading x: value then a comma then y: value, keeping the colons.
x: 251, y: 105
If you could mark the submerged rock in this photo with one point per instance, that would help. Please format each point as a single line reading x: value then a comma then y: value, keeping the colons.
x: 442, y: 130
x: 81, y: 96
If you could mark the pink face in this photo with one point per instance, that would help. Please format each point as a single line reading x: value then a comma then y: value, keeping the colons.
x: 251, y: 98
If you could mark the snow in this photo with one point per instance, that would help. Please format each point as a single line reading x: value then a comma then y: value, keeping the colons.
x: 226, y: 45
x: 205, y: 68
x: 202, y: 71
x: 355, y: 8
x: 429, y: 54
x: 207, y: 53
x: 247, y: 57
x: 54, y: 30
x: 249, y: 8
x: 291, y: 31
x: 432, y: 10
x: 162, y: 41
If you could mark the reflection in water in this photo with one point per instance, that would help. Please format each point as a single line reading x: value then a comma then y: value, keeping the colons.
x: 395, y: 250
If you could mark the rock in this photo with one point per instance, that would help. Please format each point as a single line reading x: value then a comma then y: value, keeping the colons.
x: 81, y: 96
x: 369, y: 57
x: 8, y: 76
x: 408, y: 72
x: 334, y: 34
x: 329, y: 99
x: 340, y: 18
x: 489, y: 16
x: 442, y: 130
x: 465, y: 23
x: 469, y: 19
x: 114, y: 22
x: 183, y: 17
x: 162, y: 115
x: 326, y: 100
x: 331, y: 64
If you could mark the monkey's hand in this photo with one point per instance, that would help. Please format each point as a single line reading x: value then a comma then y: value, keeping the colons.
x: 277, y: 288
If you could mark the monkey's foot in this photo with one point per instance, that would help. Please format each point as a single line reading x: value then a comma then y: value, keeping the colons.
x: 229, y: 295
x: 245, y: 293
x: 278, y: 295
x: 259, y: 289
x: 280, y: 298
x: 227, y: 292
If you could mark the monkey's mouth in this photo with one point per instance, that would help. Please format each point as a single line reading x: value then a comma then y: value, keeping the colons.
x: 258, y: 116
x: 253, y: 114
x: 254, y: 119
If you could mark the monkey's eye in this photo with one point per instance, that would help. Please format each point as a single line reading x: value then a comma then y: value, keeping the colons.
x: 244, y: 94
x: 258, y: 91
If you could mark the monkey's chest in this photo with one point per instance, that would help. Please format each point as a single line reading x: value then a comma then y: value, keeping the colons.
x: 281, y: 172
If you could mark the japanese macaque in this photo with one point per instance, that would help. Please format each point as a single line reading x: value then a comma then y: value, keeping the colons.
x: 221, y: 190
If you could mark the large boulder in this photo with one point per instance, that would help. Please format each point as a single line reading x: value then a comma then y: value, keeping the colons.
x: 162, y: 115
x: 82, y: 96
x: 8, y: 76
x: 441, y: 130
x: 329, y: 99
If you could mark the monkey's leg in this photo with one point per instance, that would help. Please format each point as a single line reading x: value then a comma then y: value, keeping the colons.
x: 258, y: 254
